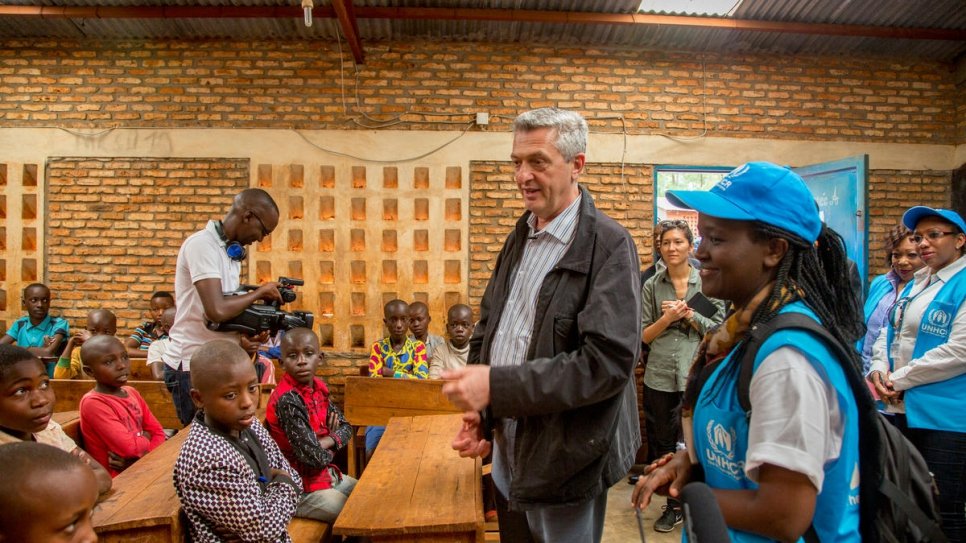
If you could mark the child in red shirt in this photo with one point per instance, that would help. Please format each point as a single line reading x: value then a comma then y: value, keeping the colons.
x: 308, y: 428
x: 117, y: 426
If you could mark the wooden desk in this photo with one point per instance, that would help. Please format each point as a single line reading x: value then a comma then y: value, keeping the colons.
x: 142, y: 506
x: 416, y: 488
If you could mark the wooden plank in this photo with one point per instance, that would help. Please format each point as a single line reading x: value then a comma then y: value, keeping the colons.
x: 303, y: 530
x: 436, y: 494
x: 373, y: 401
x: 140, y: 371
x: 142, y: 505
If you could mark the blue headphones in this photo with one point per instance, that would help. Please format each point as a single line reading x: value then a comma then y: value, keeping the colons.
x: 235, y: 251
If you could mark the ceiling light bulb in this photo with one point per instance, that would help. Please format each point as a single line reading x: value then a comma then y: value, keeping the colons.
x: 307, y: 10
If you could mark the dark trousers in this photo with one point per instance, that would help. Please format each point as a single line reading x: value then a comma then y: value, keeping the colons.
x: 663, y: 426
x: 179, y: 383
x: 513, y: 524
x: 945, y: 454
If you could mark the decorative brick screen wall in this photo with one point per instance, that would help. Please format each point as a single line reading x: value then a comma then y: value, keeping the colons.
x: 361, y: 236
x: 21, y: 255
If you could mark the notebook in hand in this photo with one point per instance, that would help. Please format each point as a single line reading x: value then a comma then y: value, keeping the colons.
x: 702, y: 305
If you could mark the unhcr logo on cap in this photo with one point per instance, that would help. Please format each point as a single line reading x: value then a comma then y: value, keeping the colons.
x: 737, y: 172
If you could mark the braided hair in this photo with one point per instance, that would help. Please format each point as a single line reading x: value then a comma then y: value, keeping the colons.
x: 819, y: 276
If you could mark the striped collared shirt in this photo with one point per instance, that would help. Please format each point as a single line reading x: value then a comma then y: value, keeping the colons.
x: 543, y: 250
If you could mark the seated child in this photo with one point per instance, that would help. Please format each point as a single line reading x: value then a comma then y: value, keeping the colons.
x: 452, y: 354
x: 159, y: 346
x: 396, y: 355
x: 264, y: 368
x: 47, y: 495
x: 231, y: 478
x: 100, y: 322
x: 419, y: 320
x: 37, y: 331
x: 137, y: 345
x: 27, y: 407
x: 117, y: 425
x: 309, y: 428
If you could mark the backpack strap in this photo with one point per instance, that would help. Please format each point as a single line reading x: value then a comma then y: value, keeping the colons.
x: 759, y: 333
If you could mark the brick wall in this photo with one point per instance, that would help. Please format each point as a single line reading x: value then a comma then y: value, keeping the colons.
x: 297, y: 84
x: 891, y: 192
x: 495, y: 206
x: 114, y: 227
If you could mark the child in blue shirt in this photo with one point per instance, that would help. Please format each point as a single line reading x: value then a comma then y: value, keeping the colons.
x: 37, y: 331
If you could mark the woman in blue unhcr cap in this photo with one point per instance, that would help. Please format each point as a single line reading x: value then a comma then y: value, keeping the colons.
x: 919, y: 362
x: 792, y: 465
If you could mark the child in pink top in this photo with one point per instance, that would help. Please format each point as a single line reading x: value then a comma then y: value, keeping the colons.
x: 116, y: 424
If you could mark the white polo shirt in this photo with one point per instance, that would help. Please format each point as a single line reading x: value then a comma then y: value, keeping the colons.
x: 202, y: 256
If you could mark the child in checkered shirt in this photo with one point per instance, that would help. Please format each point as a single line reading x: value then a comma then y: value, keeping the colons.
x: 231, y: 478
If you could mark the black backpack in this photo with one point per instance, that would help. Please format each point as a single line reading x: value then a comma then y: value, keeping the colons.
x: 901, y: 506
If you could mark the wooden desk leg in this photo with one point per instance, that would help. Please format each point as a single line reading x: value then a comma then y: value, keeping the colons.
x: 352, y: 460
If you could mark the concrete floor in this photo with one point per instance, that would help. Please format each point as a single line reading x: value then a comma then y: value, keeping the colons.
x: 620, y: 524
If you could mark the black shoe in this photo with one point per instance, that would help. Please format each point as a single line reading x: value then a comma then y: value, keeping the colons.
x: 669, y: 519
x: 632, y: 480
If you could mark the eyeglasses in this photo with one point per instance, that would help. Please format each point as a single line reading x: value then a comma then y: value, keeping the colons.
x: 265, y: 231
x: 672, y: 223
x: 932, y: 235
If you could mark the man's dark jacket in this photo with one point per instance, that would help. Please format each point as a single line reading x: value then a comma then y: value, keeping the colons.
x: 574, y: 397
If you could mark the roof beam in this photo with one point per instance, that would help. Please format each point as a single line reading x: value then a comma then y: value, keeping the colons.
x: 348, y: 19
x: 350, y: 27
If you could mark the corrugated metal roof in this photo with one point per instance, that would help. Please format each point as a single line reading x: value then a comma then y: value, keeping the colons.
x: 937, y: 14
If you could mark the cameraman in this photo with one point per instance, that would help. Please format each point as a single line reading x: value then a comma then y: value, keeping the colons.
x: 209, y: 265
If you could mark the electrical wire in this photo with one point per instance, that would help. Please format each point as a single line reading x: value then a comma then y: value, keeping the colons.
x: 394, y: 161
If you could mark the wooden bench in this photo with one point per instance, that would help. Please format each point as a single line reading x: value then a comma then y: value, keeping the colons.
x: 435, y: 494
x: 372, y: 402
x: 303, y: 530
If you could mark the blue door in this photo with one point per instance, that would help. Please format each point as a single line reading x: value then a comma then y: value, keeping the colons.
x: 840, y: 189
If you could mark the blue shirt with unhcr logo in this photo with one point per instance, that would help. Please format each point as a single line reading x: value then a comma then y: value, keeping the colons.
x: 28, y: 335
x: 721, y: 430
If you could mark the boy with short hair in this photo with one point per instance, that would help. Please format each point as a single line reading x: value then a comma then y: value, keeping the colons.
x: 419, y: 320
x: 70, y: 365
x: 452, y: 354
x: 117, y: 425
x: 230, y: 476
x: 309, y: 428
x: 396, y: 355
x: 137, y: 345
x: 38, y: 331
x: 47, y: 497
x: 27, y: 407
x: 158, y: 347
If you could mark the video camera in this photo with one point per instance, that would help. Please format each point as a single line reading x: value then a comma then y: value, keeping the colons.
x: 261, y: 316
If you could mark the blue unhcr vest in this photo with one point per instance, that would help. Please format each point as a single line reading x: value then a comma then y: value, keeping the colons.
x: 721, y: 436
x: 936, y: 406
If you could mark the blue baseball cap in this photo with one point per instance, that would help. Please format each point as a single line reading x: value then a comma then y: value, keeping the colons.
x: 913, y: 215
x: 758, y: 191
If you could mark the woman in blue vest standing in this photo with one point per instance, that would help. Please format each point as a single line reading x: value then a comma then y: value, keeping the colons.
x: 791, y: 464
x: 919, y: 362
x: 902, y: 254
